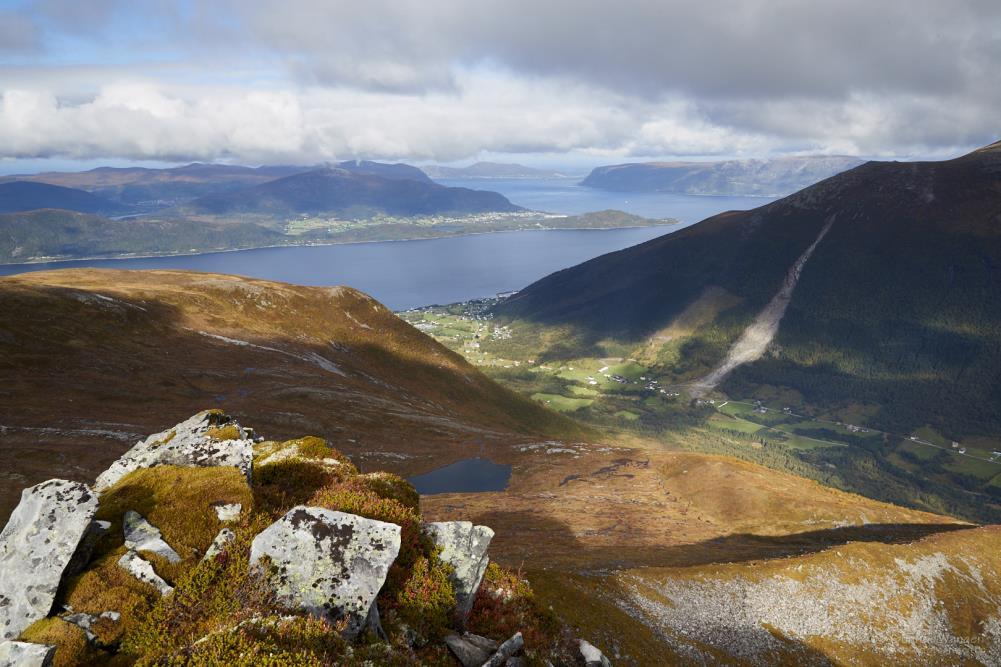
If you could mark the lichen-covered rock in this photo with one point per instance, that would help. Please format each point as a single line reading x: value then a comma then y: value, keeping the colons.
x: 208, y: 439
x: 141, y: 535
x: 228, y: 511
x: 142, y: 569
x: 464, y: 547
x: 23, y: 654
x: 328, y: 563
x: 37, y: 546
x: 592, y: 656
x: 224, y: 537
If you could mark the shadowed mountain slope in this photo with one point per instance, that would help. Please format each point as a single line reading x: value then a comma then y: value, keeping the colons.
x: 899, y: 305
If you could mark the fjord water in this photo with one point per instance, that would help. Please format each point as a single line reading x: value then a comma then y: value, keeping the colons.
x: 401, y: 274
x: 475, y: 475
x: 406, y: 274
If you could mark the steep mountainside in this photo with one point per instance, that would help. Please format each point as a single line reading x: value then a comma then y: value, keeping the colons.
x: 733, y: 177
x: 897, y: 309
x: 19, y: 196
x: 343, y: 191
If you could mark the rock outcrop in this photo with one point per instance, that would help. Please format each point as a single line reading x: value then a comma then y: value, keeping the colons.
x: 471, y: 650
x: 208, y: 439
x: 142, y: 569
x: 593, y: 657
x: 464, y: 547
x: 23, y: 654
x: 141, y: 535
x: 37, y: 546
x: 328, y: 563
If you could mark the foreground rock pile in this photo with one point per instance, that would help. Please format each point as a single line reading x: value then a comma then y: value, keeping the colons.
x: 204, y: 545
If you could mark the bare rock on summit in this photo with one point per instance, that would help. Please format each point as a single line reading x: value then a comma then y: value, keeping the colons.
x: 464, y: 547
x: 36, y: 547
x: 207, y: 439
x: 23, y: 654
x: 328, y: 563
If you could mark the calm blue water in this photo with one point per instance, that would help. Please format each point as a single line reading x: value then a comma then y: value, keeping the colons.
x: 466, y: 476
x: 406, y: 274
x: 401, y: 274
x: 565, y: 196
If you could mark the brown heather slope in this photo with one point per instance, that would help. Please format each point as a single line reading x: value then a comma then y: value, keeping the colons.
x: 92, y: 359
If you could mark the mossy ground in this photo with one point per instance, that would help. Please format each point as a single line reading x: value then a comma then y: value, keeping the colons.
x: 223, y: 612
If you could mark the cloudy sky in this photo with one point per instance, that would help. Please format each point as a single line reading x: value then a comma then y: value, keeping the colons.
x: 541, y: 81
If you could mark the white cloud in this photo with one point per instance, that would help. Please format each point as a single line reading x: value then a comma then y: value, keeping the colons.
x: 311, y: 80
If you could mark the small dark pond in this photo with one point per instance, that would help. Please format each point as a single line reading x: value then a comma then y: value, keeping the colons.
x: 466, y: 476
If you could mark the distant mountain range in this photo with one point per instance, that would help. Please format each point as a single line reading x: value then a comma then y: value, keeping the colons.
x: 17, y: 196
x: 779, y: 176
x: 487, y: 170
x: 359, y: 189
x: 163, y: 187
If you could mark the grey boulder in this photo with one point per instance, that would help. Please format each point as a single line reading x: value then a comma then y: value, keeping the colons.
x: 328, y: 563
x: 592, y: 656
x: 37, y: 546
x: 23, y: 654
x: 506, y: 651
x: 464, y: 547
x: 141, y: 535
x: 190, y: 444
x: 471, y: 650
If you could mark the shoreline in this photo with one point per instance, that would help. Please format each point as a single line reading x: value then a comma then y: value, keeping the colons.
x: 56, y: 260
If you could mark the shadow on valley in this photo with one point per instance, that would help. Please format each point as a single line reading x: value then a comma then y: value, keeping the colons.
x: 596, y: 602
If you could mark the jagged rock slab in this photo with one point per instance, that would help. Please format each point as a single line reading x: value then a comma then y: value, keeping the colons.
x: 228, y: 511
x: 37, y: 546
x: 189, y: 444
x: 593, y: 657
x: 142, y: 569
x: 23, y: 654
x: 224, y: 537
x: 470, y: 654
x: 141, y: 535
x: 506, y: 651
x: 328, y: 563
x: 464, y: 547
